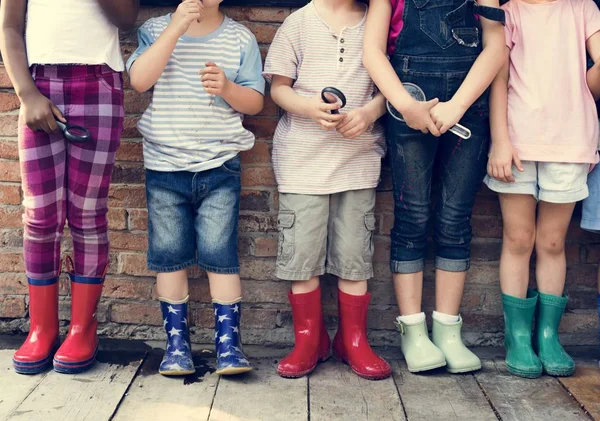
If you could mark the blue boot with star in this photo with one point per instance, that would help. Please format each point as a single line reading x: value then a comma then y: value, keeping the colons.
x: 178, y: 354
x: 230, y: 357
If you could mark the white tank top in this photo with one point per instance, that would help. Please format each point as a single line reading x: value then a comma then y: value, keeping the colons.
x: 71, y: 32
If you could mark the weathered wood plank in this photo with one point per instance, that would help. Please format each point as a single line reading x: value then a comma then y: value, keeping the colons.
x: 585, y: 386
x: 156, y: 397
x: 260, y: 395
x: 14, y: 387
x: 518, y: 399
x: 439, y: 395
x: 90, y: 396
x: 337, y: 394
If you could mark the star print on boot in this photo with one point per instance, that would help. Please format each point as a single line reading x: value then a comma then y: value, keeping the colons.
x: 178, y: 354
x: 230, y: 357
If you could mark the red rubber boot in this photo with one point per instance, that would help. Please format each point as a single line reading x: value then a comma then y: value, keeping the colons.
x: 35, y: 355
x: 350, y: 344
x: 78, y: 352
x: 312, y: 341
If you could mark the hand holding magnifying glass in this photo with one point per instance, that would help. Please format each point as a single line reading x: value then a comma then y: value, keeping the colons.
x: 73, y: 133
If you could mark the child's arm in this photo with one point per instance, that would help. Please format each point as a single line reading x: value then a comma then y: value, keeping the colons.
x: 319, y: 111
x: 416, y: 114
x: 39, y: 112
x: 480, y: 76
x: 593, y: 74
x: 147, y: 67
x: 121, y: 13
x: 361, y: 119
x: 502, y: 153
x: 243, y: 99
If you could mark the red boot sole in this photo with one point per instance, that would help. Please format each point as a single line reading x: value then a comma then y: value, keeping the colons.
x: 363, y: 375
x: 290, y: 375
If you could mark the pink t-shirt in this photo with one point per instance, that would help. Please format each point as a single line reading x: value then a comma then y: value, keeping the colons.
x: 552, y: 116
x: 396, y: 24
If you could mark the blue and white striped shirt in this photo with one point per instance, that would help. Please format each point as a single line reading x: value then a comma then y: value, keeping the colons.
x: 185, y: 128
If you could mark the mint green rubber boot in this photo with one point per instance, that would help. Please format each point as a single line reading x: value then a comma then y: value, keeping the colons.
x: 555, y: 360
x: 521, y: 360
x: 447, y: 337
x: 419, y: 352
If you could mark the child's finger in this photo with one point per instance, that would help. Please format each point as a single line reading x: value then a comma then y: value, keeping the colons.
x: 51, y: 122
x: 210, y: 84
x: 433, y: 128
x: 432, y: 103
x: 508, y: 175
x: 346, y: 123
x: 329, y: 107
x: 210, y: 70
x: 517, y: 162
x: 353, y: 133
x: 58, y: 114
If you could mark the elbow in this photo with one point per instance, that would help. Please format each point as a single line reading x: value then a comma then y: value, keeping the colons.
x: 257, y: 107
x: 138, y: 85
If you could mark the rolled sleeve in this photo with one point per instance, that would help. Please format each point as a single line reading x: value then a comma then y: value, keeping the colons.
x: 592, y: 18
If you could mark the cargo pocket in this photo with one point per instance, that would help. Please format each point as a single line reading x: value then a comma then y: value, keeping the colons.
x: 285, y: 224
x: 369, y: 242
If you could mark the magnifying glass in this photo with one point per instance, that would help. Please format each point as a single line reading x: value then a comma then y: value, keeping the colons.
x: 338, y: 96
x: 73, y: 133
x: 418, y: 94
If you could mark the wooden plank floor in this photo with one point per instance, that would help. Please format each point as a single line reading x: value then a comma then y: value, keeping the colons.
x: 127, y: 387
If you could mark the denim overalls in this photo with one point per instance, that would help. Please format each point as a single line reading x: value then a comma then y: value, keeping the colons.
x: 440, y: 41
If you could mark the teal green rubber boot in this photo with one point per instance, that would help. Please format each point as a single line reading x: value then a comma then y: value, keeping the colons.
x: 555, y: 360
x: 447, y: 337
x: 521, y: 360
x: 419, y: 352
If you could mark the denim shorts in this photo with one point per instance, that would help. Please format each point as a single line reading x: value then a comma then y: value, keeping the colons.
x: 193, y: 218
x: 590, y: 218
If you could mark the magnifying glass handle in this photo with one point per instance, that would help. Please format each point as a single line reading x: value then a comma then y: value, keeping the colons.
x: 61, y: 125
x: 461, y: 131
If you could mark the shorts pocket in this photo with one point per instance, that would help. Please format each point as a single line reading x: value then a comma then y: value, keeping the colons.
x: 285, y: 224
x: 369, y: 238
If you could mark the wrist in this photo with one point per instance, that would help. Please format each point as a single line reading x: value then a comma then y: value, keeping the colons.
x: 175, y: 29
x: 27, y: 94
x: 227, y: 88
x: 459, y: 105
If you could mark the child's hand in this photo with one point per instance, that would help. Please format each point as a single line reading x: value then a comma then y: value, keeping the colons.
x: 445, y: 115
x: 40, y: 113
x: 417, y: 116
x: 214, y: 80
x: 187, y: 12
x: 502, y: 157
x: 356, y: 123
x: 319, y: 112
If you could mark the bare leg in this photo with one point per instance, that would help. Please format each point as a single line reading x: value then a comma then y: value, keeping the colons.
x: 551, y: 233
x: 225, y: 288
x: 173, y: 285
x: 352, y: 287
x: 449, y: 288
x: 518, y: 216
x: 409, y: 292
x: 303, y: 287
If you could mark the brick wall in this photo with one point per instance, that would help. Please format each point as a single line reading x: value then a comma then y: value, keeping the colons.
x: 129, y: 309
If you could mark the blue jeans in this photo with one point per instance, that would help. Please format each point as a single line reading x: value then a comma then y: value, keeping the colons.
x: 416, y: 158
x: 193, y: 218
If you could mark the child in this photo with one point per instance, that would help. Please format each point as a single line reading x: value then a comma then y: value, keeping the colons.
x: 545, y: 123
x: 206, y: 73
x: 590, y: 219
x: 452, y: 50
x: 327, y: 167
x: 64, y: 180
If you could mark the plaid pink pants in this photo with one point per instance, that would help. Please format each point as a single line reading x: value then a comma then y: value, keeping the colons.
x: 69, y: 181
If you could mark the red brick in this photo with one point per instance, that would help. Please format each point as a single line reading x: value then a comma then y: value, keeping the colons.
x: 4, y: 79
x: 10, y: 171
x: 255, y: 200
x: 11, y: 237
x: 385, y: 201
x: 138, y: 219
x: 9, y: 102
x: 136, y: 313
x: 264, y: 32
x: 128, y: 173
x: 382, y: 249
x: 11, y: 283
x: 129, y: 127
x: 258, y: 223
x: 386, y: 223
x: 11, y: 262
x: 10, y: 194
x: 258, y: 176
x: 259, y: 154
x: 136, y: 103
x: 134, y: 264
x: 257, y: 14
x: 573, y: 253
x: 130, y: 151
x: 582, y: 275
x: 135, y: 288
x: 270, y: 109
x: 127, y: 196
x: 11, y: 217
x: 487, y: 227
x: 9, y: 149
x: 262, y: 127
x: 265, y: 247
x: 8, y: 125
x: 117, y: 219
x: 12, y: 307
x: 121, y: 240
x: 486, y: 205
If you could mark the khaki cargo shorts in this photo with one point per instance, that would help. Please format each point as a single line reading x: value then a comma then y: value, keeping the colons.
x: 321, y: 234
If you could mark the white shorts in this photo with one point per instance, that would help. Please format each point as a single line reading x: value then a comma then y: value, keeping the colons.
x: 552, y: 182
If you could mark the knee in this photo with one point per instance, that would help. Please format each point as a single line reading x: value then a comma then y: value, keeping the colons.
x: 549, y: 244
x: 40, y: 222
x: 519, y: 241
x: 85, y: 220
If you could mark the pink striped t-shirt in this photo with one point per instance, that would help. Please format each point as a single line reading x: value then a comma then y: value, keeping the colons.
x: 307, y: 159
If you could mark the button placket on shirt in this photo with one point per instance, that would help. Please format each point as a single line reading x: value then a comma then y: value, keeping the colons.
x: 340, y: 48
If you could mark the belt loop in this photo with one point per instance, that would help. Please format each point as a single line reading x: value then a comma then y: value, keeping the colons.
x: 405, y: 65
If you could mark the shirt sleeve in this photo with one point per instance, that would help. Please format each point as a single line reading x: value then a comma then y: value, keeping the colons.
x: 592, y: 18
x: 282, y: 58
x: 145, y: 39
x: 509, y: 27
x: 250, y: 72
